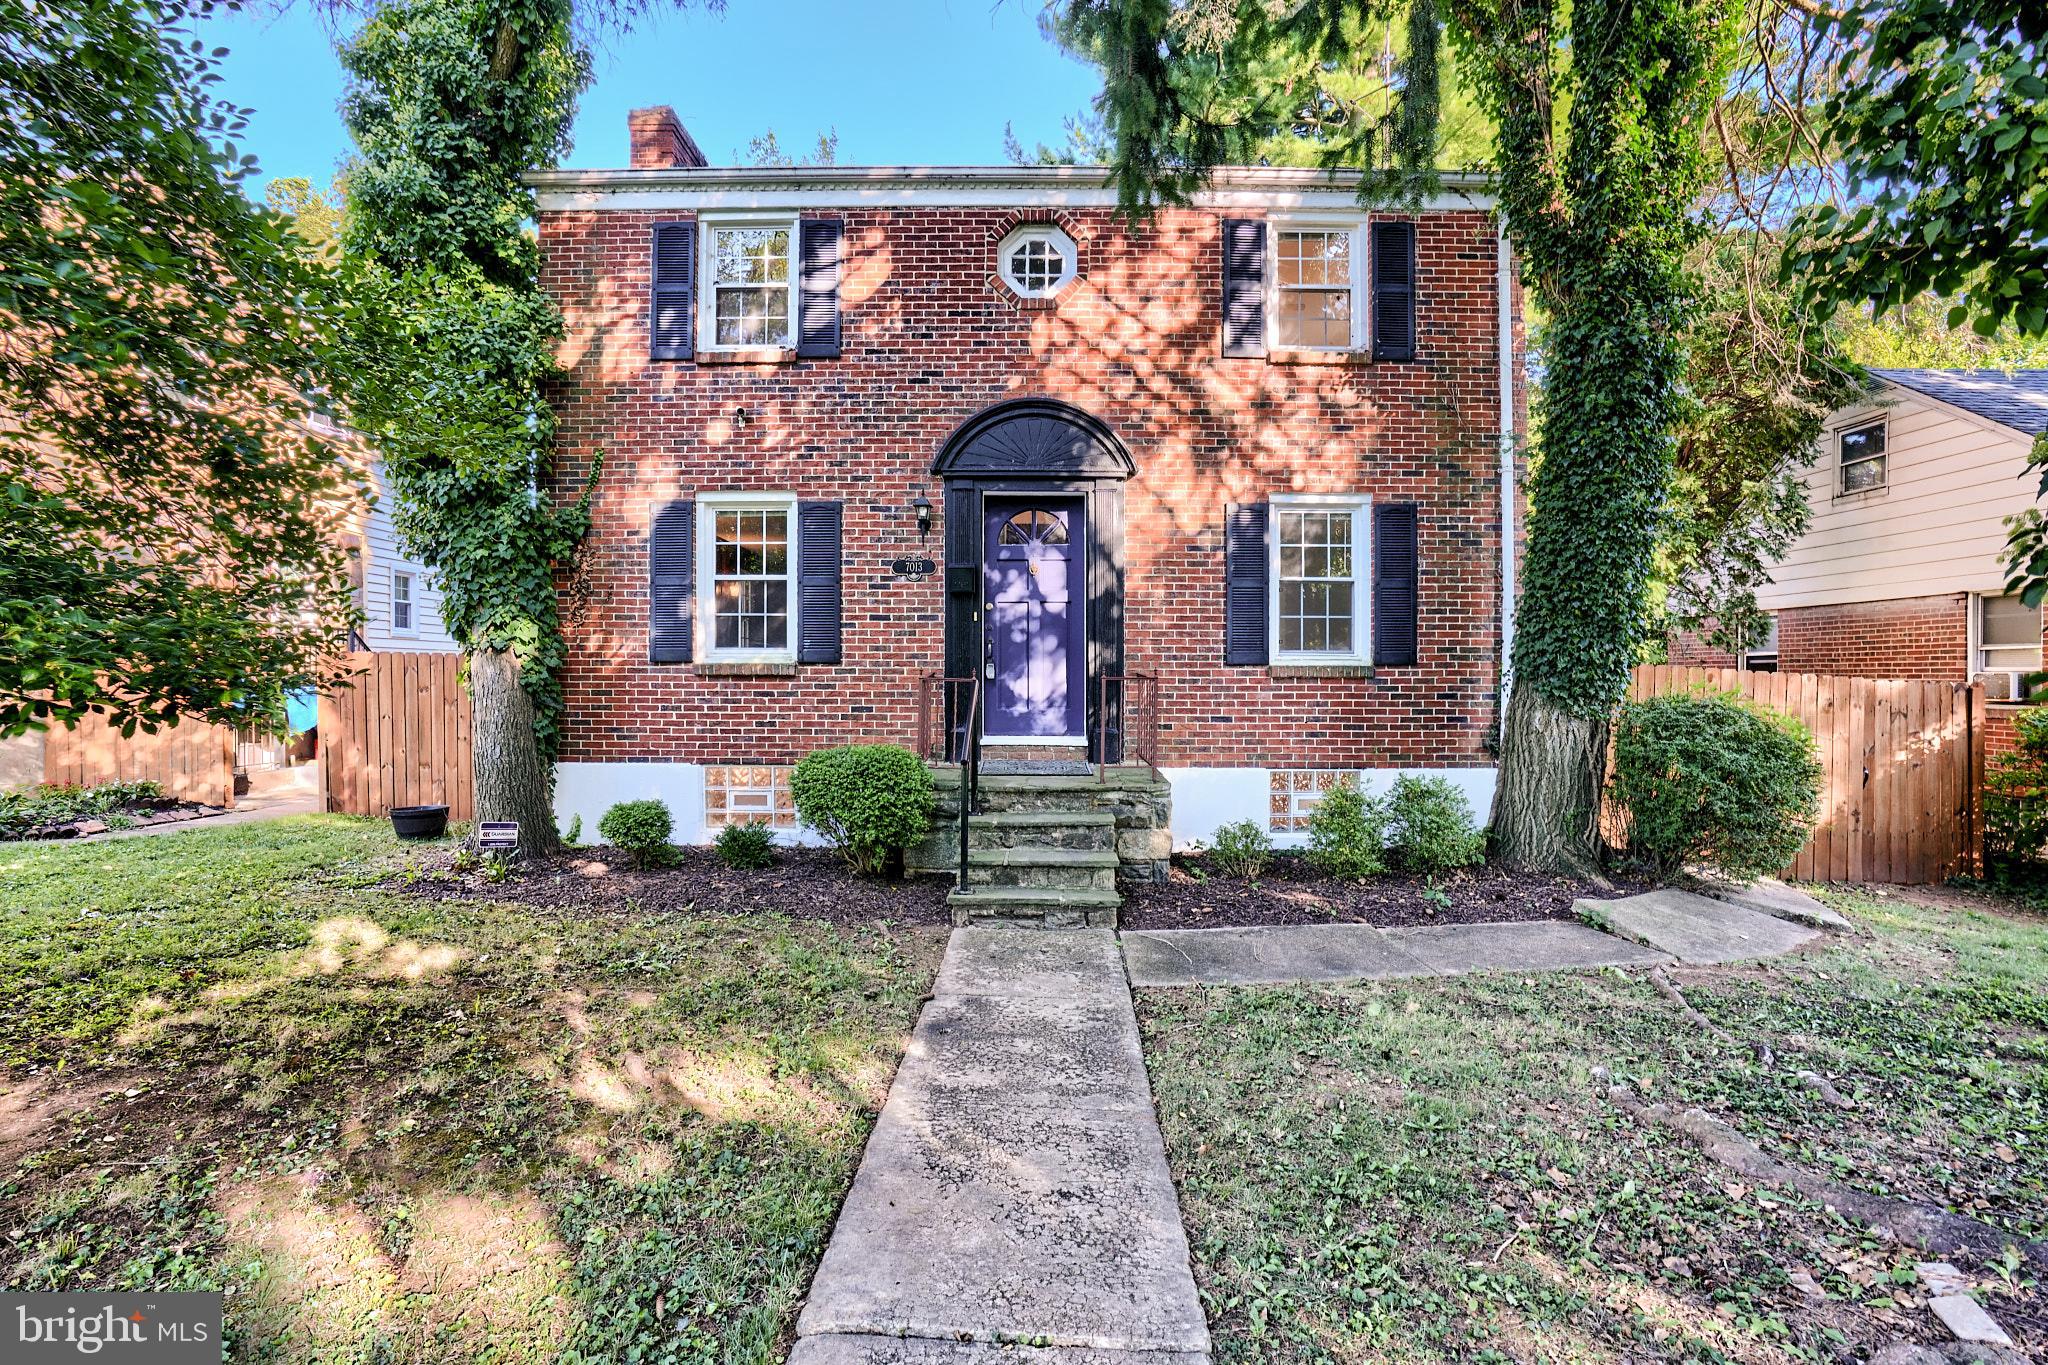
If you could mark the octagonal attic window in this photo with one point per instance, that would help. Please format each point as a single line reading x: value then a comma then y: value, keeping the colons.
x: 1037, y: 261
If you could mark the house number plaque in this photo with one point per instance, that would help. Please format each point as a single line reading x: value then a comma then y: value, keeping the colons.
x: 915, y: 566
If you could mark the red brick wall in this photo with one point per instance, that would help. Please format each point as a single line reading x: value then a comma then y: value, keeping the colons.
x: 930, y: 339
x: 1692, y: 650
x: 1908, y: 637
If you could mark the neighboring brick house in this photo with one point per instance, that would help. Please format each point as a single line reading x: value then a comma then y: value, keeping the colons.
x: 1899, y: 575
x: 1252, y: 448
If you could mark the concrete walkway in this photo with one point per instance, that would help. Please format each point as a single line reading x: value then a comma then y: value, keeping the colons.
x: 1013, y: 1204
x: 1697, y: 929
x: 1359, y: 952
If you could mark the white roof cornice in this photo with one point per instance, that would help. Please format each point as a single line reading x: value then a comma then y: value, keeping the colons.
x: 714, y: 187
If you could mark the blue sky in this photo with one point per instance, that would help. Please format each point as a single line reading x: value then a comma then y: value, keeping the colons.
x: 903, y: 81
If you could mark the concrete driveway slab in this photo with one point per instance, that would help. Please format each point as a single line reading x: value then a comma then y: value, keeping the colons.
x: 1537, y: 946
x: 1266, y: 956
x: 1694, y: 928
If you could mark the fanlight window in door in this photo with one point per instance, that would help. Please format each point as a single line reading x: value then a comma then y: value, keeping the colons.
x: 1033, y: 526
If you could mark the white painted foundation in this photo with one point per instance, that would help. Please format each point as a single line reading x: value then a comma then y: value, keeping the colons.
x: 1203, y: 798
x: 591, y: 789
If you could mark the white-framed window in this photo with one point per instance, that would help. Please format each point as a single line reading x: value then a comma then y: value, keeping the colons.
x: 748, y: 301
x: 1317, y: 299
x: 1861, y: 451
x: 1320, y: 549
x: 402, y: 602
x: 746, y: 576
x: 1761, y: 656
x: 2008, y: 634
x: 1037, y: 260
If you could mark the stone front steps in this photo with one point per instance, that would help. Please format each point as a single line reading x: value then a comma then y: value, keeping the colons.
x: 1049, y: 850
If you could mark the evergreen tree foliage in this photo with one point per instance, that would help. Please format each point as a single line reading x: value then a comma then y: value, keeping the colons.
x: 170, y: 514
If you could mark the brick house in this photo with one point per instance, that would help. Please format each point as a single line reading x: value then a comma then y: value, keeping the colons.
x: 1899, y: 575
x: 1222, y: 491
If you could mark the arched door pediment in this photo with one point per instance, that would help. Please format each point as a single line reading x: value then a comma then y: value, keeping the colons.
x: 1033, y: 438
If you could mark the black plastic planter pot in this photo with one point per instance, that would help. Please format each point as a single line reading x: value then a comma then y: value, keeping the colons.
x: 419, y: 822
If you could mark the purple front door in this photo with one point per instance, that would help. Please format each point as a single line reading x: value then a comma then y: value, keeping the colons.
x: 1036, y: 604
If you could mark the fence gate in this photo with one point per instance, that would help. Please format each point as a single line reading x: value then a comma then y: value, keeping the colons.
x: 1902, y: 760
x: 398, y: 737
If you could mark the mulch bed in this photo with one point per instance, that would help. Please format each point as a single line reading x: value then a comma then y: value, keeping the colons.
x: 166, y: 812
x: 805, y: 884
x: 1291, y: 892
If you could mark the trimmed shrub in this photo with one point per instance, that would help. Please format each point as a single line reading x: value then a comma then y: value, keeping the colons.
x: 745, y: 848
x: 1347, y: 833
x: 1712, y: 779
x: 870, y: 801
x: 1430, y: 828
x: 1242, y: 849
x: 2016, y: 798
x: 642, y: 828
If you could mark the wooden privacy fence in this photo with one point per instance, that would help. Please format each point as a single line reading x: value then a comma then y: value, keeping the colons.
x: 191, y: 761
x: 398, y: 737
x: 1902, y: 759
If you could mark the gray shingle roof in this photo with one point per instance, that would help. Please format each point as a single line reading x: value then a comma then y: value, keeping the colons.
x: 2018, y: 400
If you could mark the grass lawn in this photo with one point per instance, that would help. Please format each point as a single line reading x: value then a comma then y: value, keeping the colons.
x: 395, y: 1128
x: 1425, y: 1171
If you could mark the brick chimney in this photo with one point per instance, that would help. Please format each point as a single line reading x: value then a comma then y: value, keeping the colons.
x: 660, y: 142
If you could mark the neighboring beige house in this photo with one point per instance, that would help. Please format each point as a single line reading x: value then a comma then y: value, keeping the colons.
x: 1900, y: 573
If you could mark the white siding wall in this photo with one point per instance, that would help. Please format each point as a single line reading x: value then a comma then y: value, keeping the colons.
x: 1936, y: 527
x: 381, y: 556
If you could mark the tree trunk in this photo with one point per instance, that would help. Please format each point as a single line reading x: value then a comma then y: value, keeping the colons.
x: 512, y: 783
x: 1546, y: 807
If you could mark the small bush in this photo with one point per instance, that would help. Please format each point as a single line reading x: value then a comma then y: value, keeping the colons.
x: 1430, y: 828
x: 1242, y: 850
x: 870, y: 801
x: 1347, y: 834
x: 575, y: 833
x: 745, y: 848
x: 1715, y: 780
x: 2016, y: 799
x: 642, y: 828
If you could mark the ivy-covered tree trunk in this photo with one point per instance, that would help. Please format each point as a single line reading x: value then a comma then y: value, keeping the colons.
x: 1601, y: 203
x: 451, y: 102
x: 512, y: 781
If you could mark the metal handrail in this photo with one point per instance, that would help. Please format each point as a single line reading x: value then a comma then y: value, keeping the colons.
x: 1135, y: 736
x: 970, y: 771
x: 943, y: 742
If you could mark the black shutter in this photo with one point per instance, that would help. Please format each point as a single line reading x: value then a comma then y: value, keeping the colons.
x: 1393, y: 291
x: 671, y: 319
x: 817, y: 582
x: 1396, y: 567
x: 671, y: 562
x: 1244, y: 583
x: 817, y: 305
x: 1244, y: 287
